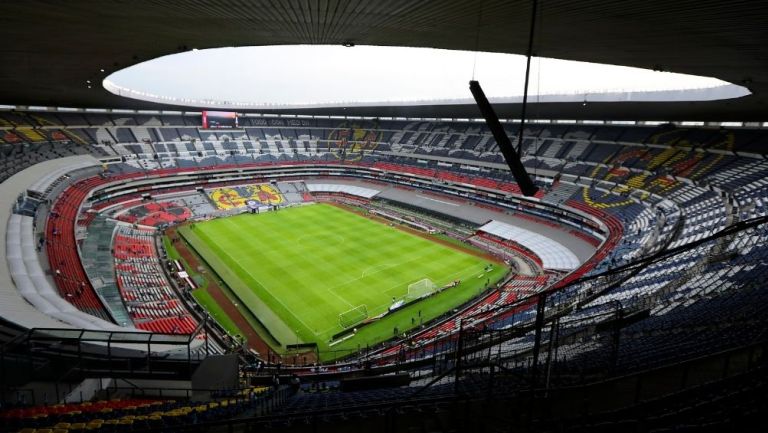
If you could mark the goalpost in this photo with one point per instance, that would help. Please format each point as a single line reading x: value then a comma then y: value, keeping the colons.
x: 420, y: 289
x: 353, y: 316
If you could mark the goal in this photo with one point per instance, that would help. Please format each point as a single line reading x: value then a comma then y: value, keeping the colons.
x: 353, y: 316
x: 420, y: 289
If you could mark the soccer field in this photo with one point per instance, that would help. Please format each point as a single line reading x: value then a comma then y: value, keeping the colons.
x: 297, y: 269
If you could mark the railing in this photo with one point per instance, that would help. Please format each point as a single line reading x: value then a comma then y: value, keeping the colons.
x: 498, y: 388
x: 49, y: 354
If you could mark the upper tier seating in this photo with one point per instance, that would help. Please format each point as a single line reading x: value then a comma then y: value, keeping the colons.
x: 61, y: 247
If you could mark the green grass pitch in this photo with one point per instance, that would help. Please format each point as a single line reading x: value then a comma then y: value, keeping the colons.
x: 297, y: 269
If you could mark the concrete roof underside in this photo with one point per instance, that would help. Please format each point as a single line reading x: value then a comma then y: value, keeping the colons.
x: 49, y: 49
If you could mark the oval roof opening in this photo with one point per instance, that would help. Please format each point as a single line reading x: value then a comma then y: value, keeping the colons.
x: 307, y: 76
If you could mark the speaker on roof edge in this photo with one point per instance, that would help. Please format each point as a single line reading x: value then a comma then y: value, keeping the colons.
x: 505, y: 145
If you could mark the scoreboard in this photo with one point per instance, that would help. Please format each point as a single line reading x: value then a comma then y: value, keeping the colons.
x: 219, y: 119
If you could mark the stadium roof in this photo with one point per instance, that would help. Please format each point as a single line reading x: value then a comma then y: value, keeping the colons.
x: 51, y: 49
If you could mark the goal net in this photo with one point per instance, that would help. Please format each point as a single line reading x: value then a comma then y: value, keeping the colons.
x: 420, y: 289
x: 353, y: 316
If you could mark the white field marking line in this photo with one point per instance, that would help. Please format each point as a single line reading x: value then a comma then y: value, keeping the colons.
x: 384, y: 266
x: 339, y: 297
x: 330, y: 290
x: 363, y: 275
x: 377, y: 308
x: 309, y: 328
x: 449, y: 277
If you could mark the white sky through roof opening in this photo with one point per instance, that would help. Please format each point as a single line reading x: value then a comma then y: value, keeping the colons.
x: 322, y: 75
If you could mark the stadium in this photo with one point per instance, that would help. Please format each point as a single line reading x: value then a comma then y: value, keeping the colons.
x: 564, y: 263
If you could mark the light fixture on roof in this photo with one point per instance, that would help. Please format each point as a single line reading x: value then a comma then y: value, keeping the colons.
x: 88, y: 81
x: 102, y: 70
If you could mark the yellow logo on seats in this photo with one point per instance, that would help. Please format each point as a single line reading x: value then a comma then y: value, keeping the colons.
x: 351, y: 141
x: 235, y: 197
